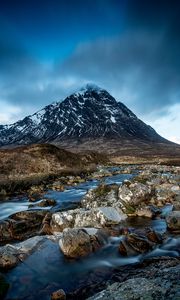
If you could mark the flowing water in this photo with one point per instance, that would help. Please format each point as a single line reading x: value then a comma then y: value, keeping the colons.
x: 67, y: 199
x: 47, y: 270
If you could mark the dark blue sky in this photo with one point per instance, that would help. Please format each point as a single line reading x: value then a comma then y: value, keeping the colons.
x: 50, y: 48
x: 51, y: 30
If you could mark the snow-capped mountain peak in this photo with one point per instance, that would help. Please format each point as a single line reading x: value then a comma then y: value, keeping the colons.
x: 90, y: 112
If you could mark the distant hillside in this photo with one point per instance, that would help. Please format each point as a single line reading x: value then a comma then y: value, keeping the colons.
x: 43, y: 159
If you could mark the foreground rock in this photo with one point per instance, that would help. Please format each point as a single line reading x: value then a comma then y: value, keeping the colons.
x: 143, y: 288
x: 11, y: 255
x: 128, y: 199
x: 98, y: 217
x: 154, y: 279
x: 103, y: 195
x: 58, y: 295
x: 135, y: 243
x: 21, y: 225
x: 173, y: 220
x: 77, y: 243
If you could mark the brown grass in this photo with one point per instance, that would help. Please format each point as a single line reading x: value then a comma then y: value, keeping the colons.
x: 42, y: 159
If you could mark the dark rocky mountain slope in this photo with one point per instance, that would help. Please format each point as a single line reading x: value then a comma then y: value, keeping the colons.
x: 90, y: 113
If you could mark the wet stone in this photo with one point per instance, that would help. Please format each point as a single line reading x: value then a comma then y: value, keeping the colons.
x: 76, y: 243
x: 8, y: 261
x: 58, y: 295
x: 173, y: 220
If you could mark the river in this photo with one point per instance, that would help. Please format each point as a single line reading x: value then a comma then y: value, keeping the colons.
x: 47, y: 270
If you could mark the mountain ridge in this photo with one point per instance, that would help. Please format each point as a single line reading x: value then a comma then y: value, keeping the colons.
x: 89, y: 113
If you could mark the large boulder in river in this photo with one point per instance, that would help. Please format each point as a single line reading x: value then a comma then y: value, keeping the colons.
x: 103, y: 195
x: 166, y: 193
x: 76, y: 243
x: 8, y: 260
x: 124, y: 198
x: 99, y: 217
x: 11, y: 255
x: 173, y: 220
x: 132, y: 195
x: 139, y: 241
x: 58, y: 295
x: 64, y: 219
x: 21, y: 225
x: 133, y: 244
x: 96, y: 217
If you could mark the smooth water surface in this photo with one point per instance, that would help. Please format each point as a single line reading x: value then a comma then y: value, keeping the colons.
x: 47, y: 270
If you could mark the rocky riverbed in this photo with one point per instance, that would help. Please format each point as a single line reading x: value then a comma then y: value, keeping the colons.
x: 109, y: 235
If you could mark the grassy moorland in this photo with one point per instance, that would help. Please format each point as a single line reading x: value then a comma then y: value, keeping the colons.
x: 124, y: 151
x: 31, y: 165
x: 25, y: 166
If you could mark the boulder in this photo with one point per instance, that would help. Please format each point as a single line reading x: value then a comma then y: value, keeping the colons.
x: 21, y: 225
x: 46, y: 202
x: 46, y: 228
x: 102, y: 196
x: 125, y: 198
x: 132, y: 195
x: 97, y: 217
x: 109, y: 216
x: 139, y: 243
x: 7, y: 260
x: 176, y: 202
x: 62, y: 220
x: 135, y: 243
x: 11, y: 255
x: 173, y: 220
x: 125, y: 249
x: 144, y: 212
x: 58, y: 295
x: 77, y: 243
x: 154, y: 236
x: 134, y: 288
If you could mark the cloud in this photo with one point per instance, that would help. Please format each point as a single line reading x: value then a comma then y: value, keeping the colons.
x: 175, y: 139
x: 9, y: 113
x: 167, y: 124
x: 140, y: 66
x: 137, y: 66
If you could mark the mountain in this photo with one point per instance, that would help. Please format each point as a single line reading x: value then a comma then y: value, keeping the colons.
x: 91, y: 113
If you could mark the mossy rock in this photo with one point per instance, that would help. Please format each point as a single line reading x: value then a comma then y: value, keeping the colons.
x: 129, y: 208
x: 140, y: 179
x: 102, y: 190
x: 4, y: 286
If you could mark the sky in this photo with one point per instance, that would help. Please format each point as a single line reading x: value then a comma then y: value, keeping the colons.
x: 51, y: 48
